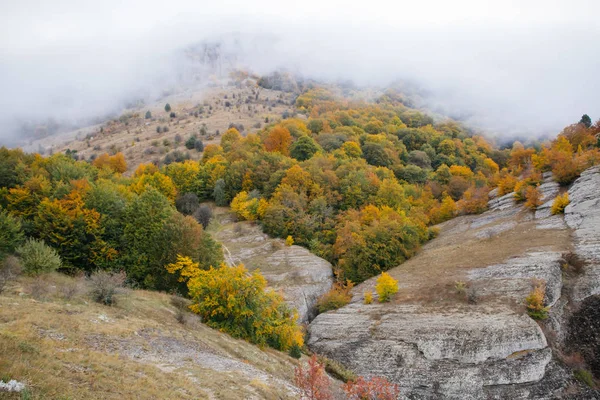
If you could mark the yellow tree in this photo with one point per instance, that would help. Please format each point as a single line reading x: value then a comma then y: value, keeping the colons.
x: 234, y: 301
x: 278, y: 140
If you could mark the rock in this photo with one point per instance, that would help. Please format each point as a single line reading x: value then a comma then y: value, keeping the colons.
x: 430, y: 353
x: 503, y: 202
x: 435, y: 345
x: 301, y: 276
x: 583, y: 216
x: 514, y: 278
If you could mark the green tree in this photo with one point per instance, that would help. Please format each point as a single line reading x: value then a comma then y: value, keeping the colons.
x: 148, y: 114
x: 303, y: 148
x: 167, y: 107
x: 219, y: 193
x: 586, y: 120
x: 190, y: 143
x: 11, y: 234
x: 375, y: 155
x: 143, y: 235
x: 36, y: 257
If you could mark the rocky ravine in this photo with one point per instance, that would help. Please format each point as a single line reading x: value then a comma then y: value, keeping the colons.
x: 438, y: 342
x: 301, y: 276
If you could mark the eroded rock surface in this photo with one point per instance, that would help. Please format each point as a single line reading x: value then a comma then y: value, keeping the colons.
x: 438, y: 340
x: 301, y: 276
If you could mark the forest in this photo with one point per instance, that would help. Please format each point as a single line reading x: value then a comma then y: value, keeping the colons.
x: 361, y: 184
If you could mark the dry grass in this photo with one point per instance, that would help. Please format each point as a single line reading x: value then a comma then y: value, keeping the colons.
x: 77, y: 349
x: 430, y: 277
x: 138, y: 134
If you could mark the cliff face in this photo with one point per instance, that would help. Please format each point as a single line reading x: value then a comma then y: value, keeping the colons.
x: 301, y: 276
x: 438, y: 341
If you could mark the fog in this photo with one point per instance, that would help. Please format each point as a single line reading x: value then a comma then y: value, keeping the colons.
x: 510, y: 68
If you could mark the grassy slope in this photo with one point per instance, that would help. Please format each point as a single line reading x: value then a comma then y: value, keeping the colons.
x: 75, y: 349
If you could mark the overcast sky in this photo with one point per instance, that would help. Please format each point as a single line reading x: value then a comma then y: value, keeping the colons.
x: 515, y: 66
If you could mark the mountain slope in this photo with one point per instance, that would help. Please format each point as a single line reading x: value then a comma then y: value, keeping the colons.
x: 438, y: 342
x: 76, y: 349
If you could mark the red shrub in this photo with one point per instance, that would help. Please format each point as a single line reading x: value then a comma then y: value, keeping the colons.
x: 313, y: 381
x: 375, y: 388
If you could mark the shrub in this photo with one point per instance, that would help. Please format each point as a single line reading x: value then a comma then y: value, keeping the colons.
x: 337, y: 370
x: 9, y: 270
x: 289, y: 241
x: 559, y: 203
x: 172, y: 115
x: 337, y: 297
x: 584, y: 376
x: 533, y: 198
x: 105, y: 286
x: 203, y: 215
x: 295, y: 351
x: 191, y: 143
x: 375, y: 388
x: 535, y: 303
x: 148, y: 114
x: 187, y: 203
x: 199, y: 146
x: 460, y: 287
x: 313, y: 381
x: 386, y: 286
x: 11, y: 234
x: 235, y: 302
x: 167, y: 107
x: 37, y: 257
x: 70, y: 288
x: 368, y: 297
x: 181, y: 307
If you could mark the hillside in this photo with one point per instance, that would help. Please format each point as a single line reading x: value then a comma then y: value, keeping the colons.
x: 439, y: 340
x: 207, y: 113
x: 64, y: 346
x: 279, y: 234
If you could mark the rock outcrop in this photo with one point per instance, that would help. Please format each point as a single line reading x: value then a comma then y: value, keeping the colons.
x: 301, y: 276
x: 457, y: 328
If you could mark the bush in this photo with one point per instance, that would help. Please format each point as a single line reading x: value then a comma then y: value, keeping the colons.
x: 368, y: 297
x: 182, y: 306
x: 313, y: 381
x: 190, y: 143
x: 375, y: 388
x: 148, y: 114
x: 187, y: 203
x: 560, y: 202
x: 11, y: 234
x: 199, y: 146
x: 533, y: 198
x: 172, y: 115
x: 238, y: 303
x: 167, y: 107
x: 584, y: 376
x: 386, y: 286
x: 9, y: 270
x: 337, y: 297
x: 37, y: 257
x: 203, y: 215
x: 535, y: 303
x: 105, y: 286
x: 295, y: 351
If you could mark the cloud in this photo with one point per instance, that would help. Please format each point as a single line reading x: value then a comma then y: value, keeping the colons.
x: 513, y: 67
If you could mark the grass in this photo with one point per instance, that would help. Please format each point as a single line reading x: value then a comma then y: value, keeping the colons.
x: 77, y: 349
x: 138, y: 134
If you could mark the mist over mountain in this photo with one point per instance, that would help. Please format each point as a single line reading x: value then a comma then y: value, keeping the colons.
x: 511, y: 69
